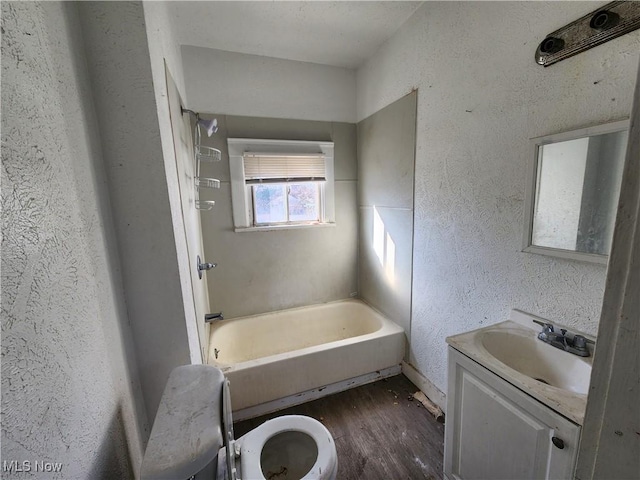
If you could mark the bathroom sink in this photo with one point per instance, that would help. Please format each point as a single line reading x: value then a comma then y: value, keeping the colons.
x: 511, y: 350
x: 535, y: 359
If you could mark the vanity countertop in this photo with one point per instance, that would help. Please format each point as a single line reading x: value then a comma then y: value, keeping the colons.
x: 566, y: 402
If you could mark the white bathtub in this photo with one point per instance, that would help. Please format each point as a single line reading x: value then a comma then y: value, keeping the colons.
x: 277, y: 355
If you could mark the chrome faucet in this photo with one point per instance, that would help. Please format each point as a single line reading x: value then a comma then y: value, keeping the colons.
x: 572, y: 343
x: 212, y: 317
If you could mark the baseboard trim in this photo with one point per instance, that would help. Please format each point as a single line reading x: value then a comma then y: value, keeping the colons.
x: 309, y: 395
x: 432, y: 392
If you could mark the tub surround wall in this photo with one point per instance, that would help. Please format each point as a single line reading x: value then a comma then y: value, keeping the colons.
x: 386, y: 154
x: 70, y: 387
x: 184, y: 166
x: 254, y: 85
x: 168, y: 86
x: 120, y: 71
x: 262, y: 272
x: 477, y: 109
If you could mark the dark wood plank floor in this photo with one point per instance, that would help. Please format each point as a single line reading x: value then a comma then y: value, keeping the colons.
x: 379, y: 432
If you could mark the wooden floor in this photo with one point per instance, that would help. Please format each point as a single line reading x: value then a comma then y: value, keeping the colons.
x: 379, y: 430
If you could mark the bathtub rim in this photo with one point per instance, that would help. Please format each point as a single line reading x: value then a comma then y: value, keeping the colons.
x: 388, y: 327
x: 356, y: 300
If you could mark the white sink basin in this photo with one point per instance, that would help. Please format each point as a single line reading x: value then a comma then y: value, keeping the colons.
x: 511, y: 350
x: 538, y: 360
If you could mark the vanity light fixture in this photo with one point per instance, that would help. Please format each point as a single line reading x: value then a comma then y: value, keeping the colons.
x: 608, y: 22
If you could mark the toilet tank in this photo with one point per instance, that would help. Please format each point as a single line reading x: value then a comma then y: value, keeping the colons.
x: 187, y: 431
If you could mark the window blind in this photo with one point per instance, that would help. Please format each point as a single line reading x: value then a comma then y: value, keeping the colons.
x: 277, y: 168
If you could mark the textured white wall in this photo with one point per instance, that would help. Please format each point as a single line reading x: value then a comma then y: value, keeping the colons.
x: 163, y: 44
x: 253, y: 85
x: 70, y: 389
x: 481, y: 97
x: 609, y: 445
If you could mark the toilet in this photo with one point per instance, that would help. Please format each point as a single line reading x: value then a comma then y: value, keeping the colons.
x: 192, y: 437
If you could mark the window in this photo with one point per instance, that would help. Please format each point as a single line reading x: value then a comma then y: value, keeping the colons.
x: 277, y: 184
x: 285, y: 203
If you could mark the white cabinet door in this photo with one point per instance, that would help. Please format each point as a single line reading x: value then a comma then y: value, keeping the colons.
x: 495, y: 431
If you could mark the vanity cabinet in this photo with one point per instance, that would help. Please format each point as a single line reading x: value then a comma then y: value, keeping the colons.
x: 496, y: 431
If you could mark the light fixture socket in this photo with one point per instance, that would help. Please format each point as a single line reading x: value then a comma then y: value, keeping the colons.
x: 604, y: 20
x: 551, y: 45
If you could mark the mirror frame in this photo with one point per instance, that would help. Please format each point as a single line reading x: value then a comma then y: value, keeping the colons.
x: 532, y: 180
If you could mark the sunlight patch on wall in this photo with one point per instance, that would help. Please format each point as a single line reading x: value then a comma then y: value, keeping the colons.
x: 384, y: 247
x: 378, y: 236
x: 390, y: 259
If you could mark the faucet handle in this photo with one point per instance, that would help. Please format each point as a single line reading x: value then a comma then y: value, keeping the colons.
x: 580, y: 342
x: 204, y: 266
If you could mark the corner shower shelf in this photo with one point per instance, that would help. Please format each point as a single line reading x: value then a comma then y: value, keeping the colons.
x: 205, y: 204
x: 203, y: 153
x: 203, y: 182
x: 207, y: 154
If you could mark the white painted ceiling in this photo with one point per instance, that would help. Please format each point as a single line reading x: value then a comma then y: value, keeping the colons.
x: 343, y: 34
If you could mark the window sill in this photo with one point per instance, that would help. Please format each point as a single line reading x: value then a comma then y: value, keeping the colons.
x: 273, y: 228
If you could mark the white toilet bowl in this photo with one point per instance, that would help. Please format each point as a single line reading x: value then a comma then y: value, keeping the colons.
x: 192, y: 437
x: 291, y: 446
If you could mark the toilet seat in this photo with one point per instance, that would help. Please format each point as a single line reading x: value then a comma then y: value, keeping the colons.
x: 250, y: 446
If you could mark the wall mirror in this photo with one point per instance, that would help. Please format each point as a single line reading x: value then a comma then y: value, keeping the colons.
x: 572, y: 192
